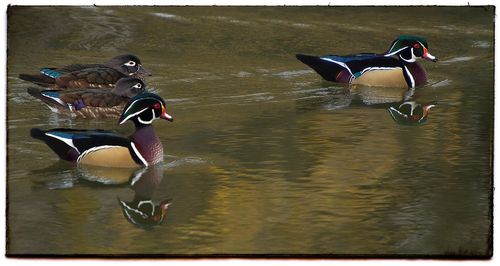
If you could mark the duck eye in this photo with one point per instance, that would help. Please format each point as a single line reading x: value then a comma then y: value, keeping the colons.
x: 156, y: 106
x: 416, y: 46
x: 138, y: 86
x: 130, y: 63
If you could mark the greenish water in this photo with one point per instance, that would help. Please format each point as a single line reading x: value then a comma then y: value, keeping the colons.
x: 263, y: 157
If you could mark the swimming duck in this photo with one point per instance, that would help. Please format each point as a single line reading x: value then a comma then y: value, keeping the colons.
x: 410, y: 113
x: 89, y: 75
x: 105, y: 148
x: 90, y: 102
x: 395, y: 68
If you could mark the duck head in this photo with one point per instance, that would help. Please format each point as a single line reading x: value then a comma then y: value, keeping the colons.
x: 129, y: 87
x: 143, y: 109
x: 129, y: 65
x: 408, y: 48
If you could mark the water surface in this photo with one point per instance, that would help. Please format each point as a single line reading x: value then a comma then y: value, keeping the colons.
x: 263, y: 157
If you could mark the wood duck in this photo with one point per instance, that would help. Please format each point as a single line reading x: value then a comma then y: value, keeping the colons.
x: 142, y: 211
x: 90, y: 102
x: 105, y: 148
x: 410, y: 113
x: 395, y: 68
x: 89, y: 75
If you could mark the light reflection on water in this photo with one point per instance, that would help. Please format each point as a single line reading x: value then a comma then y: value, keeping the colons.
x: 264, y: 157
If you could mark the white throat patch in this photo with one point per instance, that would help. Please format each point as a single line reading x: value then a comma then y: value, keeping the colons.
x: 147, y: 122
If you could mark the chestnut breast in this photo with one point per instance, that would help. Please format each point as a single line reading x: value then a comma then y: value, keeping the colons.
x: 148, y: 144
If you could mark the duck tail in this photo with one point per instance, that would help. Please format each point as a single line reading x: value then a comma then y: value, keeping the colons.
x: 58, y: 141
x: 306, y: 59
x: 41, y: 80
x: 49, y: 97
x: 38, y: 134
x: 37, y: 93
x: 327, y: 70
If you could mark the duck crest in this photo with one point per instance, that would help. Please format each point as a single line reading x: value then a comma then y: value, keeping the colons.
x: 148, y: 145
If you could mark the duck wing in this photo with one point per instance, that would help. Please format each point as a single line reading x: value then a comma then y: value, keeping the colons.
x: 89, y: 146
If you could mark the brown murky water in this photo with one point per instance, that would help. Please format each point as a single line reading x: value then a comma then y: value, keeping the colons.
x: 264, y: 157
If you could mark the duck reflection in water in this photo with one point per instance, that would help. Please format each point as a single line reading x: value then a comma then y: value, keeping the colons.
x: 142, y: 211
x: 396, y: 100
x: 339, y: 97
x: 410, y: 113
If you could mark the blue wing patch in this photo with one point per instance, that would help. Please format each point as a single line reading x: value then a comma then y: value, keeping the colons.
x: 54, y: 95
x: 62, y: 135
x: 51, y: 94
x: 50, y: 72
x: 348, y: 58
x: 81, y: 134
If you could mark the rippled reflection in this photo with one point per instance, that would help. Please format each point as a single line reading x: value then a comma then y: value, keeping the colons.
x: 410, y: 113
x: 265, y: 157
x: 142, y: 211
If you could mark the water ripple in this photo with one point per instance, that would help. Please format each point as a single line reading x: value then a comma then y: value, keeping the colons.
x: 293, y: 73
x: 457, y: 59
x: 441, y: 83
x: 228, y: 19
x: 242, y: 74
x: 169, y: 16
x: 184, y: 161
x: 481, y: 44
x: 253, y: 95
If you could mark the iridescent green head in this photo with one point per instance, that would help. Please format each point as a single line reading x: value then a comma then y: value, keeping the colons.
x: 144, y: 108
x: 409, y: 48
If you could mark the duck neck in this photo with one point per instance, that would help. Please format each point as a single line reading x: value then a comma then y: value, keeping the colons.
x: 145, y: 132
x: 415, y: 75
x: 138, y: 125
x: 147, y: 143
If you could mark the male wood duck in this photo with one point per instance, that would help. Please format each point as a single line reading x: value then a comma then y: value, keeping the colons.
x: 410, y: 113
x: 376, y: 69
x: 142, y: 211
x: 90, y: 102
x: 89, y: 75
x: 104, y: 148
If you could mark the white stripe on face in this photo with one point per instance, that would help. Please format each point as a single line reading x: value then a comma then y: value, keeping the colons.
x: 395, y: 52
x: 147, y: 122
x: 134, y: 114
